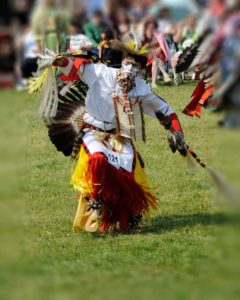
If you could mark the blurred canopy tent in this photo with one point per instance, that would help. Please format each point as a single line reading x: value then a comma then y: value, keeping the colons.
x: 179, y: 9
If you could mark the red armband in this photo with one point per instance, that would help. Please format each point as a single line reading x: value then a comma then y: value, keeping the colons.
x: 175, y: 124
x: 72, y: 76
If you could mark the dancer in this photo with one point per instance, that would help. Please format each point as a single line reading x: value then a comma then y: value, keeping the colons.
x: 98, y: 128
x: 215, y: 55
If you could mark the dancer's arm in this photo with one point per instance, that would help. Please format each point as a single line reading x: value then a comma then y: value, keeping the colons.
x: 157, y: 107
x: 79, y: 68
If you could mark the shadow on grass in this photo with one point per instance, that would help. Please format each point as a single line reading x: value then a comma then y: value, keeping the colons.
x: 168, y: 223
x: 161, y: 224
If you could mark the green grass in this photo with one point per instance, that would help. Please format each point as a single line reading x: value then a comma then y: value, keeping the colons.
x: 190, y: 251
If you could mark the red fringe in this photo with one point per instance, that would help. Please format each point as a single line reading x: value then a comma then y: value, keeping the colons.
x: 122, y: 197
x: 193, y: 107
x: 200, y: 97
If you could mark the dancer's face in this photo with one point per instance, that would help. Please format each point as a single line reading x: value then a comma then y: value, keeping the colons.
x: 130, y: 67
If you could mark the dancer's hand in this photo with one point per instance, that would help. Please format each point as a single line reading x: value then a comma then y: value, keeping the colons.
x: 60, y: 61
x: 176, y: 142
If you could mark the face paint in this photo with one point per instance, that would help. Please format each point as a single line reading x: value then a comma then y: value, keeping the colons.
x: 129, y: 70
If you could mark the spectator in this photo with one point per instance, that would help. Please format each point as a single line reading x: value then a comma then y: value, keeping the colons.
x: 29, y: 54
x: 164, y: 18
x: 94, y: 5
x: 188, y: 33
x: 7, y: 60
x: 21, y: 9
x: 79, y: 42
x: 79, y: 14
x: 137, y: 9
x: 161, y: 53
x: 94, y: 28
x: 50, y: 25
x: 5, y: 13
x: 120, y: 22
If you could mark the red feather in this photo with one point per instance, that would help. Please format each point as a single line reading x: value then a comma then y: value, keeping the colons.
x: 122, y: 197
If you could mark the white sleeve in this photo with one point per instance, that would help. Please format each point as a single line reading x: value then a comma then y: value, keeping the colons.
x: 88, y: 73
x: 152, y: 103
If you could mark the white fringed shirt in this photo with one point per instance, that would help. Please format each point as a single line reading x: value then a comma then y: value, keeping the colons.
x: 102, y: 83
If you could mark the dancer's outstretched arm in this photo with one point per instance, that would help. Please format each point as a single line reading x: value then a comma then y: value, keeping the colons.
x: 158, y: 108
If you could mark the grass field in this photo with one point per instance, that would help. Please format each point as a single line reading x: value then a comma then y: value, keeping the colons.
x: 190, y: 251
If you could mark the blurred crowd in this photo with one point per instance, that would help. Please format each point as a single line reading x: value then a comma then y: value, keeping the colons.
x: 29, y: 27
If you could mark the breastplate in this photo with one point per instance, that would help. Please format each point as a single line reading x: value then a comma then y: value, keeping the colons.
x: 129, y: 118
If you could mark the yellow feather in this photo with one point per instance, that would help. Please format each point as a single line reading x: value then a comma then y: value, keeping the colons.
x: 131, y: 45
x: 144, y: 50
x: 36, y: 83
x: 133, y: 48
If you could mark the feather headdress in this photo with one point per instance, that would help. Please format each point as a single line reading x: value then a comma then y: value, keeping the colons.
x: 131, y: 46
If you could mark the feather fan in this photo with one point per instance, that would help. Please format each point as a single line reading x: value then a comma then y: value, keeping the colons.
x: 187, y: 57
x: 64, y: 129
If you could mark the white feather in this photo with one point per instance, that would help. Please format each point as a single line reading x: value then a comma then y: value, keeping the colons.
x: 46, y: 59
x: 49, y: 96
